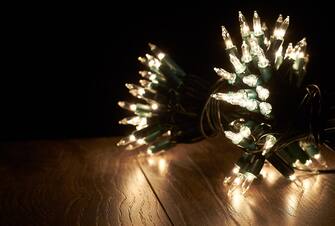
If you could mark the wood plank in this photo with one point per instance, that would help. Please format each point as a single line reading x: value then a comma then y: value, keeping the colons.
x: 80, y: 182
x: 188, y: 180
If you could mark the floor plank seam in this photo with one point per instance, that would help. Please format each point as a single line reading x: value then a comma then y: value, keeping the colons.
x: 153, y: 190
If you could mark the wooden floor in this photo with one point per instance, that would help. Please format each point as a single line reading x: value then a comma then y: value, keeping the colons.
x: 92, y: 182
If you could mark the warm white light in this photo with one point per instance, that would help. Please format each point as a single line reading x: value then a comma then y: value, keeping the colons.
x: 236, y: 169
x: 245, y: 131
x: 239, y: 67
x: 226, y: 37
x: 236, y: 138
x: 246, y: 56
x: 141, y: 141
x: 160, y: 56
x: 262, y: 92
x: 265, y: 108
x: 132, y: 107
x: 250, y: 80
x: 317, y: 156
x: 292, y: 177
x: 154, y: 106
x: 257, y: 24
x: 230, y: 77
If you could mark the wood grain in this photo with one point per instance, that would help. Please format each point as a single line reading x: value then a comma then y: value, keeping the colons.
x: 79, y: 182
x: 91, y: 182
x: 191, y: 190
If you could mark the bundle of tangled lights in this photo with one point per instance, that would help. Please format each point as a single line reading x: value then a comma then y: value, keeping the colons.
x: 262, y: 104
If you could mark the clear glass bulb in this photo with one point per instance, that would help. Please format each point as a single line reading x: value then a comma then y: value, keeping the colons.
x: 289, y: 51
x: 250, y: 80
x: 262, y: 61
x: 245, y: 30
x: 246, y: 56
x: 227, y: 39
x: 236, y: 138
x: 239, y: 67
x: 126, y: 140
x: 265, y: 108
x: 257, y: 25
x: 135, y: 121
x: 230, y: 77
x: 262, y: 92
x: 152, y: 62
x: 245, y: 131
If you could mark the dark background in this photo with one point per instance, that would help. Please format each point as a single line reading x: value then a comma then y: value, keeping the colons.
x: 66, y: 66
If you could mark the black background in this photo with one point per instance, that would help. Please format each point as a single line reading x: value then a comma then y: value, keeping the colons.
x: 65, y: 66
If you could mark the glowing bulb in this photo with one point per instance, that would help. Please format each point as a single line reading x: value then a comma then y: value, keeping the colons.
x: 239, y: 67
x: 154, y: 106
x: 245, y: 30
x: 141, y: 141
x: 250, y: 80
x: 230, y: 77
x: 289, y: 50
x: 262, y: 92
x: 265, y: 108
x: 270, y: 140
x: 236, y: 169
x: 153, y: 62
x: 149, y: 151
x: 136, y: 120
x: 292, y: 177
x: 226, y: 37
x: 251, y: 105
x: 317, y: 156
x: 257, y: 24
x: 245, y: 131
x: 236, y: 138
x: 160, y: 56
x: 246, y: 57
x: 308, y: 162
x: 133, y: 107
x: 126, y: 140
x: 279, y: 57
x: 262, y: 61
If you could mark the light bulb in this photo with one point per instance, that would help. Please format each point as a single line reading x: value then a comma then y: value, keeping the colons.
x: 262, y: 92
x: 230, y: 77
x: 251, y: 80
x: 239, y: 67
x: 236, y: 169
x: 262, y: 61
x: 126, y: 140
x: 250, y: 105
x: 270, y: 140
x: 265, y: 108
x: 293, y: 177
x: 246, y: 56
x: 153, y: 62
x: 245, y: 30
x: 154, y: 106
x: 245, y: 131
x: 279, y: 57
x: 236, y: 138
x: 226, y: 37
x: 135, y: 121
x: 257, y: 25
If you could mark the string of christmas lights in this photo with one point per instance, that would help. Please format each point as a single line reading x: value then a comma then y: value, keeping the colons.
x: 262, y: 104
x: 168, y: 105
